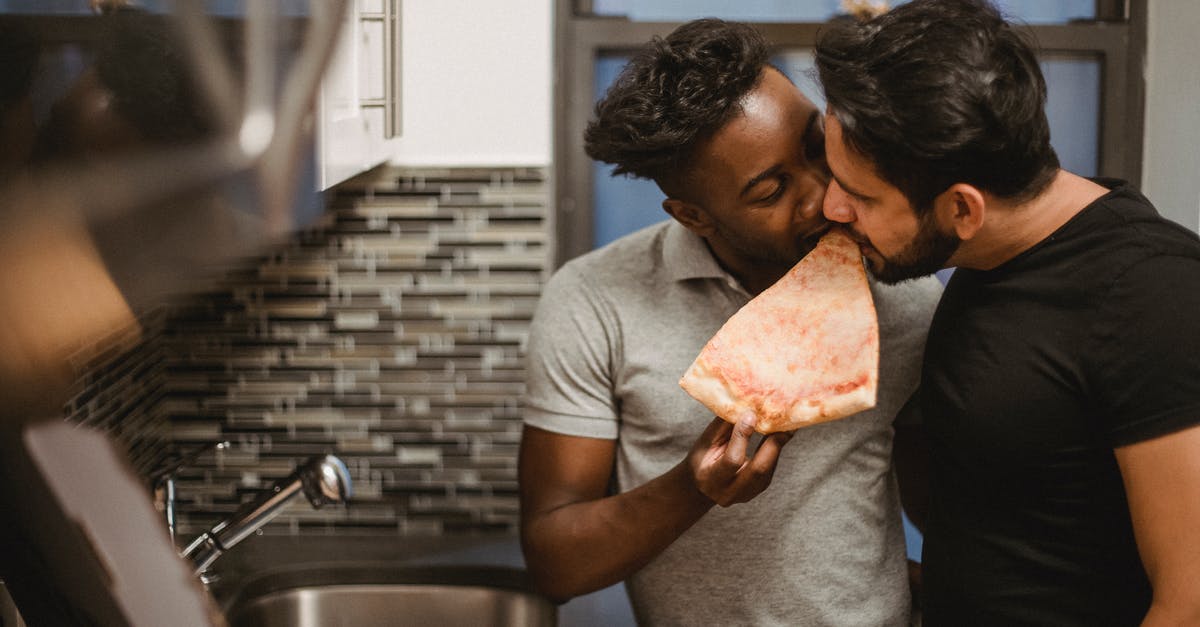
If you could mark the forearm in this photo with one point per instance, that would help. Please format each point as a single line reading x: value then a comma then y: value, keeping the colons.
x: 1176, y: 601
x: 582, y: 547
x: 1173, y: 613
x: 1162, y: 485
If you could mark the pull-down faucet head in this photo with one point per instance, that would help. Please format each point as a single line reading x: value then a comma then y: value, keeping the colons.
x: 323, y: 480
x: 326, y: 481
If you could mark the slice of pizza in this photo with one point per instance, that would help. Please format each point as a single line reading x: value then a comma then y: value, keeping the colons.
x: 804, y: 351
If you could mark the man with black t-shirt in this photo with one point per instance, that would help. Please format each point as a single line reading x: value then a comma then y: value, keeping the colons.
x: 1060, y: 393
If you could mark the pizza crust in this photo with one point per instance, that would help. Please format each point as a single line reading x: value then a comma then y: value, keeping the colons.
x: 804, y: 351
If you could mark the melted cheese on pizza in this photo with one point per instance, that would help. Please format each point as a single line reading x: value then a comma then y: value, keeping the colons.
x: 804, y: 351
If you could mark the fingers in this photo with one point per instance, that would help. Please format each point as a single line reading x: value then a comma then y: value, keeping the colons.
x: 739, y: 441
x: 721, y: 469
x: 767, y: 455
x: 710, y: 446
x: 754, y: 476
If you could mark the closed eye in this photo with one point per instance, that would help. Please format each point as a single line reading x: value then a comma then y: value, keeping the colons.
x: 775, y: 193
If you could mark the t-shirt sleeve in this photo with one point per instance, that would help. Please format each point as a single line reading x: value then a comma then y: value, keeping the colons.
x: 1149, y: 368
x: 568, y: 363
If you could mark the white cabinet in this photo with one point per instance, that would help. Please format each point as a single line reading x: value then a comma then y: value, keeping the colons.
x: 358, y: 110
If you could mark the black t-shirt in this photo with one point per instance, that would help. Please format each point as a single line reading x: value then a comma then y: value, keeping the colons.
x: 1033, y: 373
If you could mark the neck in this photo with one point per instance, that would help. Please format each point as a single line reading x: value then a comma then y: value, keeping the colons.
x: 754, y: 277
x: 1012, y: 228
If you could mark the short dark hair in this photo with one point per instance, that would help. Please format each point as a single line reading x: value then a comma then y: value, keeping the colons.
x: 673, y: 94
x: 937, y: 92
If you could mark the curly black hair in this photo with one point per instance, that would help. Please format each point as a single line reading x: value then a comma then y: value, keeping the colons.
x: 672, y: 94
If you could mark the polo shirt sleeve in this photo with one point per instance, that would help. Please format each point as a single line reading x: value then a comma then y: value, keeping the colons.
x: 1149, y: 369
x: 904, y: 311
x: 569, y: 374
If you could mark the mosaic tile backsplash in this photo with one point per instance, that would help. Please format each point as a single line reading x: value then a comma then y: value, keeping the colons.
x: 393, y: 337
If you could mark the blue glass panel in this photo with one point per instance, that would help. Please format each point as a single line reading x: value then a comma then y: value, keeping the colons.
x: 621, y: 204
x: 799, y: 65
x: 1073, y: 107
x: 1028, y: 11
x: 914, y: 542
x: 745, y: 10
x: 628, y: 205
x: 1047, y: 11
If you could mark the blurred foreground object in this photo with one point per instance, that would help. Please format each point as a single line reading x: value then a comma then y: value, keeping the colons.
x: 148, y: 157
x: 133, y: 188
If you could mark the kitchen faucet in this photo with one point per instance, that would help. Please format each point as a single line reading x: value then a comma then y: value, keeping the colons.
x: 163, y: 480
x: 323, y: 479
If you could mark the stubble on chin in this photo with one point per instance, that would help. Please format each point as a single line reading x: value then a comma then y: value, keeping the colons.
x: 922, y: 258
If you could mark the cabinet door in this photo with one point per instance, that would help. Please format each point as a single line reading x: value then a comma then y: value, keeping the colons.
x: 358, y: 108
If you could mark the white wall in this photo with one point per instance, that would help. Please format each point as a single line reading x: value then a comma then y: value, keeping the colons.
x: 1171, y: 169
x: 477, y: 78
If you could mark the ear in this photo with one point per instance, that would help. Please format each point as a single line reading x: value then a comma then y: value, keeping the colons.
x: 689, y: 215
x: 963, y: 207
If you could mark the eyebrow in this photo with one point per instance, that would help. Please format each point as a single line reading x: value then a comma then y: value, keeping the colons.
x: 850, y: 190
x: 760, y: 177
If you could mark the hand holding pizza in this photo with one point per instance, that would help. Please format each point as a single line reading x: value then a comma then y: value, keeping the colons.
x: 720, y: 468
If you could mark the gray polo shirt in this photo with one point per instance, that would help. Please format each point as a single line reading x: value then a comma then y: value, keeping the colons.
x: 614, y: 331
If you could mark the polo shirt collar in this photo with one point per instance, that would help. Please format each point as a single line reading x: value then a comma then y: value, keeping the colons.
x: 688, y: 256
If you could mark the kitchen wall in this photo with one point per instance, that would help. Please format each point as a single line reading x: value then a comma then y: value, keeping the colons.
x: 1172, y: 116
x: 392, y: 336
x: 477, y: 79
x: 121, y: 389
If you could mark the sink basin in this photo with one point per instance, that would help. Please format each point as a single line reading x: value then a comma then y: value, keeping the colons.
x: 380, y: 594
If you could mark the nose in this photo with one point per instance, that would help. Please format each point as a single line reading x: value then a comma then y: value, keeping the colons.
x: 810, y: 204
x: 836, y: 207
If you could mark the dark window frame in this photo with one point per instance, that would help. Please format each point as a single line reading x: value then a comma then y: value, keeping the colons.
x: 1116, y: 38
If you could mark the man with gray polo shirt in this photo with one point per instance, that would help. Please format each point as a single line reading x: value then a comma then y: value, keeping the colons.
x: 620, y: 468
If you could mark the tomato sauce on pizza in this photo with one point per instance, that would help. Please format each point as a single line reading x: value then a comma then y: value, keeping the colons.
x: 804, y: 351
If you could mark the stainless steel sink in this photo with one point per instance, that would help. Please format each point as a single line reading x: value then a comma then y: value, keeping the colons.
x: 365, y: 596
